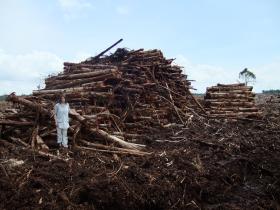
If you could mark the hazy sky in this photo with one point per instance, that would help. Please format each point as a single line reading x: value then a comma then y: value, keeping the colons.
x: 213, y: 39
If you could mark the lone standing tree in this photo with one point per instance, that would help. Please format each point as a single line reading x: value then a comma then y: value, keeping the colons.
x: 247, y: 76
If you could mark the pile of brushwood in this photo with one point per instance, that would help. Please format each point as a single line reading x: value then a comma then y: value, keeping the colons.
x: 207, y: 164
x: 231, y: 101
x: 119, y: 103
x: 273, y: 102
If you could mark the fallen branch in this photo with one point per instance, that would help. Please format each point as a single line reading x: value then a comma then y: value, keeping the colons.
x: 15, y: 123
x: 103, y: 133
x: 101, y: 146
x: 111, y: 151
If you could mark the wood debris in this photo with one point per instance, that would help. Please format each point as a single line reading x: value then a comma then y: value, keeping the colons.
x: 120, y: 100
x: 231, y: 101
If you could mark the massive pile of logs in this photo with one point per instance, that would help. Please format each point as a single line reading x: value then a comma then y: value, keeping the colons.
x: 231, y: 101
x: 122, y: 99
x: 138, y: 87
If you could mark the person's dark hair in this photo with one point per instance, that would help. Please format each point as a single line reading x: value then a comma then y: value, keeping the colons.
x: 59, y: 98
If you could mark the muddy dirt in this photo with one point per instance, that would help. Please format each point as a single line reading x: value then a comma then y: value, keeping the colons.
x: 207, y: 165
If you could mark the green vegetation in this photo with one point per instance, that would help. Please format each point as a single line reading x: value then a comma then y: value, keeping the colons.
x: 271, y: 91
x: 247, y: 76
x: 3, y: 97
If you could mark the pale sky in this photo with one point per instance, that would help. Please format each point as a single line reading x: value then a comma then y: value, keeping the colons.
x: 213, y: 39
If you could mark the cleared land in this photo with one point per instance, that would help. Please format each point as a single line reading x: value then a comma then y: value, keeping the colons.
x: 208, y: 164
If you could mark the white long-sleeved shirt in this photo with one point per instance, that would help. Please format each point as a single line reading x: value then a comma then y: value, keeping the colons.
x: 62, y: 115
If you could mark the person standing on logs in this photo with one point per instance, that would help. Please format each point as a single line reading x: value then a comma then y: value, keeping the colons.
x: 61, y: 116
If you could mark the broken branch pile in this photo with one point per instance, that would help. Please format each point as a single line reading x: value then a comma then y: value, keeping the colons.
x: 121, y: 99
x: 270, y: 105
x: 274, y: 99
x: 231, y: 101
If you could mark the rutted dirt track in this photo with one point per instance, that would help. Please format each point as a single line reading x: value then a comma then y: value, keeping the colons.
x: 207, y: 165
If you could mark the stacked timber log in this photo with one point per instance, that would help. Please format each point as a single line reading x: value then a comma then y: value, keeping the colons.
x: 124, y: 99
x: 231, y: 101
x: 141, y: 87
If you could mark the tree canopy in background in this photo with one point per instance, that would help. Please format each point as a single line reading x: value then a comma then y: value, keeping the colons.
x: 3, y: 97
x: 247, y: 76
x: 271, y: 91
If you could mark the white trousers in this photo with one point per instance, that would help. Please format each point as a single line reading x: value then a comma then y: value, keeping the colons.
x: 62, y: 137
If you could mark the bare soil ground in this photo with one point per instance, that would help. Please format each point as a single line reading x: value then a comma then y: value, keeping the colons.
x: 207, y: 165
